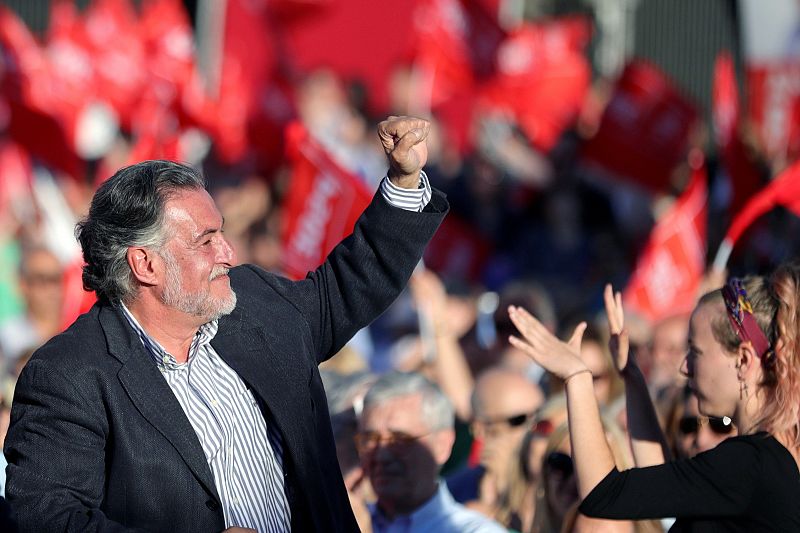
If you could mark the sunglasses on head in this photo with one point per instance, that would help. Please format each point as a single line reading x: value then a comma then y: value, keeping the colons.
x: 691, y: 424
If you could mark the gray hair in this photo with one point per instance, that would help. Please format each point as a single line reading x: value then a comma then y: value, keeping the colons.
x: 128, y: 210
x: 437, y: 411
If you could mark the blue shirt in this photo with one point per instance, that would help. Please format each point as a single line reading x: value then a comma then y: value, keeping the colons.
x: 440, y: 514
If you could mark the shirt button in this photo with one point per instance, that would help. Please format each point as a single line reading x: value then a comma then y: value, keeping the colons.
x: 165, y: 359
x: 214, y: 403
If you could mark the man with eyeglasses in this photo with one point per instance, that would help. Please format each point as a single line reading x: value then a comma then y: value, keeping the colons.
x: 405, y: 436
x: 503, y: 404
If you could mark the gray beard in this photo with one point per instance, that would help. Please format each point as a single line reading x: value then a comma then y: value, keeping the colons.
x: 201, y: 305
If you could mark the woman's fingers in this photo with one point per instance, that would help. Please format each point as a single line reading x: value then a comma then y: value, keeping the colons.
x: 614, y: 311
x: 574, y: 341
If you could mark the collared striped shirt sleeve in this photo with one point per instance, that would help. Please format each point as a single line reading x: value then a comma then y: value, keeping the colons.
x: 408, y: 199
x: 244, y: 453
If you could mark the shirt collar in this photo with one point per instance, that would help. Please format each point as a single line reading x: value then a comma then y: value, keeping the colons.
x: 437, y: 505
x: 163, y: 359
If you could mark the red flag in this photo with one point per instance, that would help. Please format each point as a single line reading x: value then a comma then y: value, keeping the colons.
x: 322, y: 204
x: 669, y: 270
x: 743, y: 173
x: 784, y: 190
x: 644, y: 130
x: 543, y: 77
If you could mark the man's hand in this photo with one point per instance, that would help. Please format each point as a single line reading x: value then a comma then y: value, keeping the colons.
x: 403, y: 140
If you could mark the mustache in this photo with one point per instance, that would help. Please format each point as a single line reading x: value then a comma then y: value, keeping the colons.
x: 217, y: 272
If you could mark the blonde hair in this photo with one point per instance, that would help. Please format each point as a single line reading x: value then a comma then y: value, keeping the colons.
x: 776, y: 304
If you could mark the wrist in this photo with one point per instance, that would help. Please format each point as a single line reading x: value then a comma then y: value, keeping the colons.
x: 575, y: 373
x: 405, y: 181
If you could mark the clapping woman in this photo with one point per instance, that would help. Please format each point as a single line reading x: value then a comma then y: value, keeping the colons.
x: 743, y: 363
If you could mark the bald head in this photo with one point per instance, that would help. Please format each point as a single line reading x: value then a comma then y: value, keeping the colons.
x: 504, y: 392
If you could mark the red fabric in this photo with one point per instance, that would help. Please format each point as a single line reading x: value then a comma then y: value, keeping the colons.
x: 743, y: 173
x: 41, y: 117
x: 784, y: 190
x: 773, y: 97
x: 670, y: 268
x: 76, y: 300
x: 321, y: 206
x: 644, y: 130
x: 360, y: 40
x: 543, y: 77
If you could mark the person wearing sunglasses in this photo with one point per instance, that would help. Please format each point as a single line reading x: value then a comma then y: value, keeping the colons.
x: 503, y: 404
x: 743, y: 363
x: 689, y: 432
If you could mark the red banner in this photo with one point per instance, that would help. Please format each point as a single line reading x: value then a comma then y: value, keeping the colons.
x: 542, y: 77
x: 774, y: 106
x: 742, y: 171
x: 669, y: 270
x: 644, y: 130
x: 322, y: 204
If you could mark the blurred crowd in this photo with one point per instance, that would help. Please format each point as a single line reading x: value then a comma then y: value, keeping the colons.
x: 529, y: 226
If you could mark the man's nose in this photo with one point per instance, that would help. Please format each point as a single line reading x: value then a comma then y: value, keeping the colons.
x: 684, y: 369
x: 225, y: 252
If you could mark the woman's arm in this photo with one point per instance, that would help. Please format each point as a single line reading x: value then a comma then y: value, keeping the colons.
x: 647, y: 439
x: 590, y: 451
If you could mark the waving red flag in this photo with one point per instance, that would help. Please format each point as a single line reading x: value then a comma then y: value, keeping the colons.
x: 644, y: 130
x: 543, y: 77
x: 743, y: 173
x: 669, y: 270
x: 784, y: 190
x: 322, y: 205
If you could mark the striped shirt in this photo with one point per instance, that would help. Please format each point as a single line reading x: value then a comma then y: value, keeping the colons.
x: 409, y: 199
x: 244, y: 453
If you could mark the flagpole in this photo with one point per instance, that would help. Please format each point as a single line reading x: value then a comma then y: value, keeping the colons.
x: 723, y: 254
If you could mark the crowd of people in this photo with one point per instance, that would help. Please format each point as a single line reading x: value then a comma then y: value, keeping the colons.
x: 456, y: 409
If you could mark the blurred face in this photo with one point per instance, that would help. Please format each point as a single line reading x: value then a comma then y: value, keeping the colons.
x: 400, y: 454
x: 669, y: 348
x: 506, y: 407
x: 711, y: 371
x: 699, y: 433
x: 595, y: 358
x: 41, y: 283
x: 197, y: 258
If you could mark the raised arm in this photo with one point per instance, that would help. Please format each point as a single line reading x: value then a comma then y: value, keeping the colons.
x: 647, y: 439
x: 448, y: 362
x: 590, y: 451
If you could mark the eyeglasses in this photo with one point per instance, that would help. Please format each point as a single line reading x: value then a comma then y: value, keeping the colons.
x: 368, y: 441
x: 514, y: 421
x: 691, y: 424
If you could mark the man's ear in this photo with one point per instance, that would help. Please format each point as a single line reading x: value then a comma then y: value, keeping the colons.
x: 145, y: 265
x: 443, y: 445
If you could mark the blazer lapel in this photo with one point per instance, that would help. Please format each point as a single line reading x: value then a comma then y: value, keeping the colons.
x: 152, y: 397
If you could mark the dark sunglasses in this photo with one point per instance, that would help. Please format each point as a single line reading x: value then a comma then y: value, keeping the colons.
x: 560, y: 462
x: 691, y: 424
x: 514, y: 421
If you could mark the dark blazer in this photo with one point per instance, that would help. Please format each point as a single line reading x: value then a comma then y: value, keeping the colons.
x: 98, y: 441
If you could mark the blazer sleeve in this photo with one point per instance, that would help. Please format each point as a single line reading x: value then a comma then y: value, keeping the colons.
x: 363, y: 274
x: 719, y: 483
x: 56, y: 488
